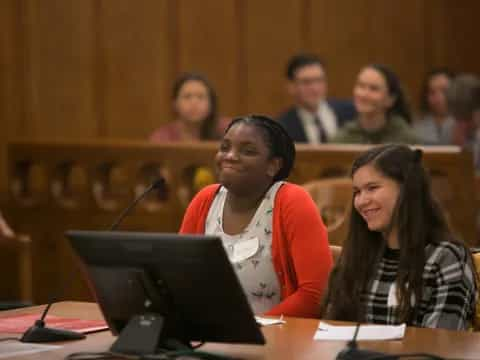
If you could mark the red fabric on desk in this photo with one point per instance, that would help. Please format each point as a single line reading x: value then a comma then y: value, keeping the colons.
x: 18, y: 324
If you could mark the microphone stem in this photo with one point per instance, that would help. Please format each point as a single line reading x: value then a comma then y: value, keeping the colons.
x: 154, y: 185
x: 357, y: 329
x: 353, y: 343
x: 129, y: 208
x: 45, y: 311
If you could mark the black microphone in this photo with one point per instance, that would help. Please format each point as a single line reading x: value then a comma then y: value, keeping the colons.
x: 39, y: 332
x: 352, y: 352
x: 157, y: 184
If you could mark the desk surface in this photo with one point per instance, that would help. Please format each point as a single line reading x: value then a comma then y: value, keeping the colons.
x: 293, y: 340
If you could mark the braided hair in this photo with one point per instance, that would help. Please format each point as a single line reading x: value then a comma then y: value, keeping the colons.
x: 276, y: 138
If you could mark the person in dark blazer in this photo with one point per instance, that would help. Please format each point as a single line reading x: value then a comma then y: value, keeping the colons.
x: 314, y: 119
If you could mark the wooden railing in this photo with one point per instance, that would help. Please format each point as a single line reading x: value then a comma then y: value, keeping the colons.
x: 55, y: 186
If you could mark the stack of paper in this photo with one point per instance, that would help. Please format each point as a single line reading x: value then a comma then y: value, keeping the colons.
x: 366, y: 332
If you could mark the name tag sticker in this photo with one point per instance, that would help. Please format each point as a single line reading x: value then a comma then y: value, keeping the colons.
x: 242, y: 250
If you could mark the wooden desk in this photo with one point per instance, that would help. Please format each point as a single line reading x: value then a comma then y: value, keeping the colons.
x: 294, y: 340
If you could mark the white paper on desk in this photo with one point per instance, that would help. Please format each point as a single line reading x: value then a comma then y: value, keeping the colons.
x: 15, y: 348
x: 268, y: 321
x: 366, y: 332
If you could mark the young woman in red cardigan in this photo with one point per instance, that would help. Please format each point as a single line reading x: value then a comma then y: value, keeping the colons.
x: 271, y: 229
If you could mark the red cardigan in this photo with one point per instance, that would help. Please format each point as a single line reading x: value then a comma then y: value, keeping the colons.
x: 300, y: 252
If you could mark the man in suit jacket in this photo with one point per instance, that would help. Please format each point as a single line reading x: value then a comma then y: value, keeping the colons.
x: 314, y: 119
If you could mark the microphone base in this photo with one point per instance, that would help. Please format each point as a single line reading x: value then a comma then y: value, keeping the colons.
x: 38, y: 333
x: 357, y: 354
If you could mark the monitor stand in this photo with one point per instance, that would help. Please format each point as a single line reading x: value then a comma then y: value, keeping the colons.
x: 151, y: 331
x: 141, y: 336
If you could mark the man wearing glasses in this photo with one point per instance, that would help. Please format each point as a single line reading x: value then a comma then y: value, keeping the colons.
x: 314, y: 119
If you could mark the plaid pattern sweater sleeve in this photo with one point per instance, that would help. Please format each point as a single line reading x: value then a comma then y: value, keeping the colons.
x: 449, y: 290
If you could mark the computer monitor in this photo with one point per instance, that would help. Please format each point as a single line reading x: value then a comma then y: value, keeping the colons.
x: 183, y: 286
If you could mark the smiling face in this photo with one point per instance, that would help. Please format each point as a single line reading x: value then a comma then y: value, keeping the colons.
x: 243, y: 161
x: 374, y: 197
x: 309, y: 86
x: 370, y: 93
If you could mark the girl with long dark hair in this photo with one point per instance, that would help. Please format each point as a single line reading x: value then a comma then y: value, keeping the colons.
x: 400, y: 261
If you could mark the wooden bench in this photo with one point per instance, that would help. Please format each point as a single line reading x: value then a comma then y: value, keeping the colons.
x: 56, y: 185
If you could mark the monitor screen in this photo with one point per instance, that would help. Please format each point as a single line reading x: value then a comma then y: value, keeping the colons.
x: 187, y: 279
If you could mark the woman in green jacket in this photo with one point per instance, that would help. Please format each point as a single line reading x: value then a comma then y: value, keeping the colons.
x: 383, y: 114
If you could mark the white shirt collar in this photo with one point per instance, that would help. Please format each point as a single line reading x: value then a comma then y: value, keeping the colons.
x: 326, y: 116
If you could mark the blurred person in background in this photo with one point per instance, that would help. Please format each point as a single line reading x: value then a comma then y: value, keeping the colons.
x: 383, y: 113
x: 435, y: 124
x: 464, y: 102
x: 313, y: 119
x: 195, y: 107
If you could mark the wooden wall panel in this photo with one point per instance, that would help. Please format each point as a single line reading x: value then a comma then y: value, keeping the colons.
x: 339, y: 29
x: 350, y: 35
x: 208, y: 42
x: 271, y: 34
x: 437, y: 33
x: 463, y: 52
x: 11, y: 80
x: 452, y: 34
x: 135, y: 65
x: 89, y: 68
x: 397, y: 39
x: 59, y: 85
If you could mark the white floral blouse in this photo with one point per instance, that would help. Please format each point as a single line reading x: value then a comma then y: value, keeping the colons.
x: 250, y: 251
